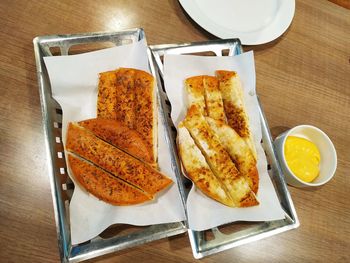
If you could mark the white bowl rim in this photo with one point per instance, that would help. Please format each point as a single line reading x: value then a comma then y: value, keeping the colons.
x: 334, y: 152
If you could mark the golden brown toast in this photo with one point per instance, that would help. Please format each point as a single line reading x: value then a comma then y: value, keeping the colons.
x: 119, y: 135
x: 195, y: 93
x: 125, y: 94
x: 239, y: 151
x: 146, y: 114
x: 213, y: 99
x: 217, y: 158
x: 198, y: 170
x: 107, y: 96
x: 235, y: 110
x: 129, y: 96
x: 122, y: 165
x: 103, y: 185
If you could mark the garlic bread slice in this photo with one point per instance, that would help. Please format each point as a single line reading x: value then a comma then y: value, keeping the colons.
x: 198, y: 170
x: 213, y: 99
x: 218, y: 159
x: 195, y: 93
x: 234, y: 106
x: 239, y: 151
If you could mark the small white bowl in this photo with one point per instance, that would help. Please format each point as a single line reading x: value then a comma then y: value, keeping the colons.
x: 328, y: 162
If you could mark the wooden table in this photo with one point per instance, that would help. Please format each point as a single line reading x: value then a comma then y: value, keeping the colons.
x: 302, y: 78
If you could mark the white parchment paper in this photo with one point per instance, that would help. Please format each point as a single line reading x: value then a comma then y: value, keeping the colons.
x: 203, y: 212
x: 74, y: 82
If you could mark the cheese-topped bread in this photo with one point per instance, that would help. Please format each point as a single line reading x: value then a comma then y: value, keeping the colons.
x: 195, y: 93
x: 213, y: 99
x: 198, y: 170
x: 119, y: 135
x: 103, y: 185
x: 122, y: 165
x: 218, y: 159
x: 239, y: 151
x: 233, y: 99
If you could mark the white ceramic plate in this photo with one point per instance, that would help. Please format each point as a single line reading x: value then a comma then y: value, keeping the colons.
x: 254, y: 22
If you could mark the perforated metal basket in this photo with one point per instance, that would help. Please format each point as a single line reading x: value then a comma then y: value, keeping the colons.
x: 117, y: 237
x: 237, y: 233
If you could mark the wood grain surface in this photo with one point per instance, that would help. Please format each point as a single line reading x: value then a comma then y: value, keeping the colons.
x: 302, y: 78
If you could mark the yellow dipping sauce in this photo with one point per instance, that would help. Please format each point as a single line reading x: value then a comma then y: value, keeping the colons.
x: 303, y: 158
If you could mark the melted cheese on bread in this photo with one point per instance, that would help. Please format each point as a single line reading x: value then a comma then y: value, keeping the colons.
x: 217, y: 158
x: 232, y: 95
x: 239, y: 151
x: 198, y: 170
x: 195, y: 93
x: 213, y: 99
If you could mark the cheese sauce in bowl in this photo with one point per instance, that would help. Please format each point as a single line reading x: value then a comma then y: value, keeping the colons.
x: 307, y: 156
x: 302, y: 157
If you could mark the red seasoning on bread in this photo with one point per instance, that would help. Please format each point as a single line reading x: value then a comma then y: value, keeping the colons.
x: 125, y: 93
x: 114, y: 156
x: 119, y: 135
x: 85, y: 144
x: 103, y: 185
x: 131, y: 93
x: 146, y: 114
x: 107, y: 95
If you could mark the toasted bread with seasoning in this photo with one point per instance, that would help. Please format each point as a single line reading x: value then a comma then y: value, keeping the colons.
x: 195, y: 93
x: 103, y: 185
x: 239, y: 151
x: 146, y: 113
x: 129, y: 96
x: 198, y: 170
x: 218, y: 159
x: 86, y: 145
x: 235, y: 110
x: 213, y: 99
x: 121, y: 136
x: 107, y: 95
x: 125, y: 96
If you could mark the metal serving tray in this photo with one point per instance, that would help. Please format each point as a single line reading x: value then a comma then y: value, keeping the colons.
x: 212, y: 241
x: 116, y: 237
